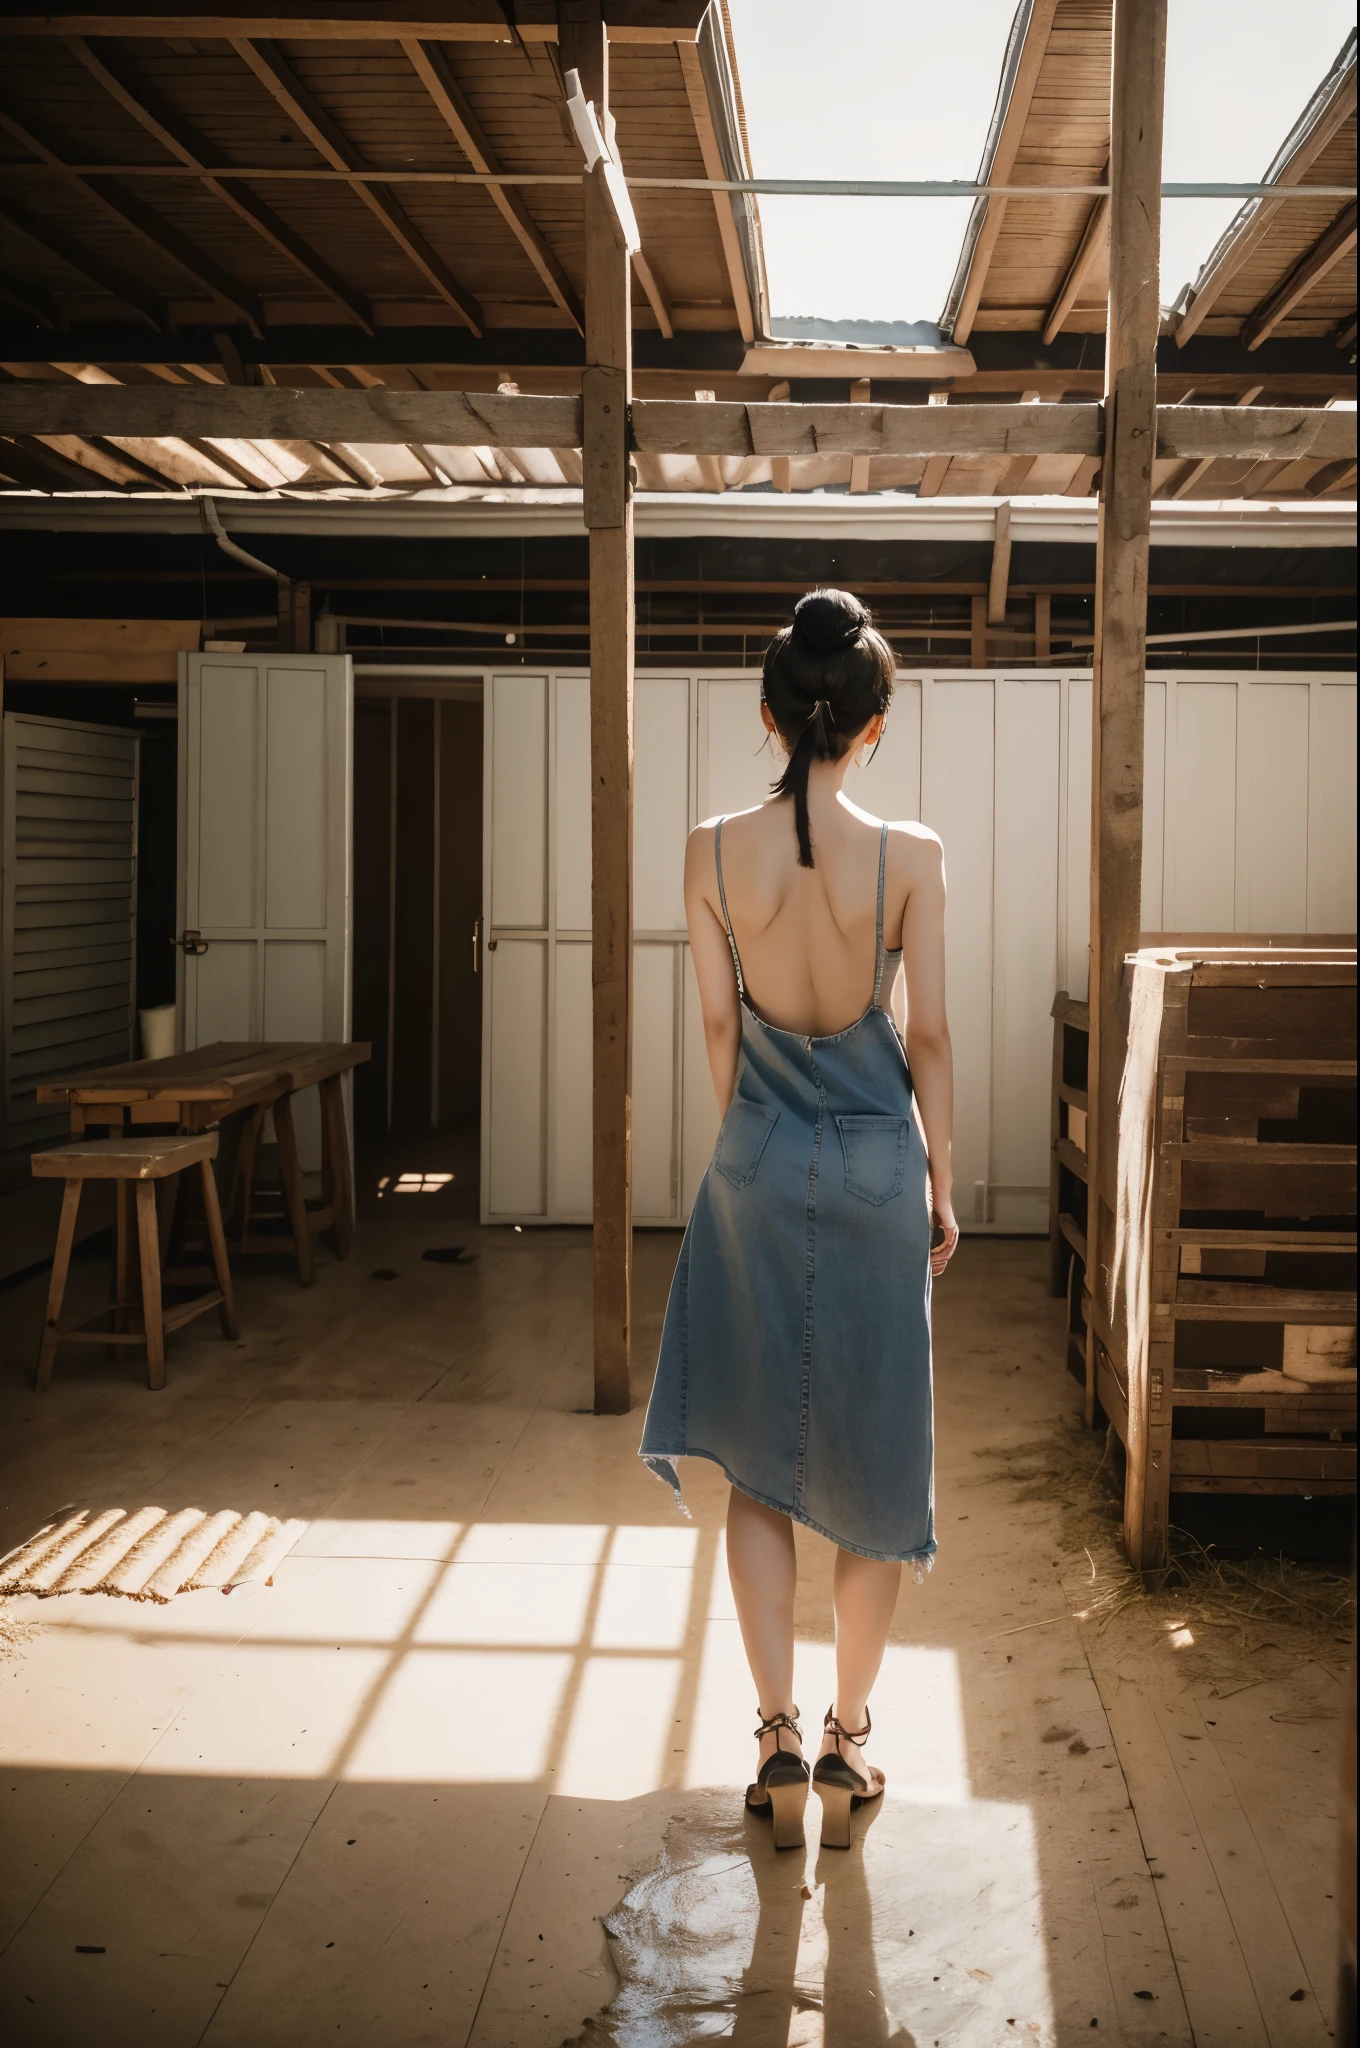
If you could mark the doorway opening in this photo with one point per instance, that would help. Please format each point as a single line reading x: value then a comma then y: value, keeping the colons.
x: 417, y: 946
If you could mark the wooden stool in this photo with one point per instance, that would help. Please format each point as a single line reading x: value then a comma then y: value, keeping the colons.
x: 139, y: 1162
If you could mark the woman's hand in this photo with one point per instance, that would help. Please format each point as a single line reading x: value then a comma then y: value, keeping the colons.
x: 944, y: 1237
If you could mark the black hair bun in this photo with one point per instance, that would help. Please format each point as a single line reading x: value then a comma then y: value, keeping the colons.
x: 829, y: 621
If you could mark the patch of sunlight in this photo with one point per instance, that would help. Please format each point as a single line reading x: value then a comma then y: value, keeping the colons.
x: 462, y: 1717
x: 534, y: 1543
x: 364, y: 1538
x: 642, y: 1607
x: 419, y: 1183
x: 538, y: 1606
x: 621, y: 1729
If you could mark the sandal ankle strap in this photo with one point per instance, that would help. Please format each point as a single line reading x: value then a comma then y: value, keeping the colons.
x: 778, y: 1721
x: 857, y: 1736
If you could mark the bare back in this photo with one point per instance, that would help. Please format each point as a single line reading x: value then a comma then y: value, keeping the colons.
x: 807, y: 935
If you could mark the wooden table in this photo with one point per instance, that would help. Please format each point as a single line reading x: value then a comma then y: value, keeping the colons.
x: 193, y: 1091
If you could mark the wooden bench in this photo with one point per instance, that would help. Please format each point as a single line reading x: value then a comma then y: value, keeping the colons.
x: 135, y: 1164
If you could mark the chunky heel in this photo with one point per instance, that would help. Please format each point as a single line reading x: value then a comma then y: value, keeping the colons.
x: 837, y: 1801
x: 781, y: 1786
x: 788, y: 1803
x: 839, y: 1787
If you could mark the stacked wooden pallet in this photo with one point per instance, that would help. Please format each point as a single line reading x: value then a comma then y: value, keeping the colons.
x: 1224, y: 1321
x: 1067, y: 1170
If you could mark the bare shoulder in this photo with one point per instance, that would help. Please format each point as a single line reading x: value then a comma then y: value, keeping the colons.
x: 916, y: 852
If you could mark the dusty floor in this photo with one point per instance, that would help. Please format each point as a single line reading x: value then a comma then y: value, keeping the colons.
x: 496, y: 1697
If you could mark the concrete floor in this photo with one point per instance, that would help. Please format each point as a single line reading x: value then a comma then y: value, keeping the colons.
x: 496, y: 1696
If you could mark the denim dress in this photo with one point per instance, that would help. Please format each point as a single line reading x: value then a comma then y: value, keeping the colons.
x: 796, y: 1347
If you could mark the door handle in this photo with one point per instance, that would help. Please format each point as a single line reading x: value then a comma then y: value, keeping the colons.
x: 476, y: 942
x: 192, y: 943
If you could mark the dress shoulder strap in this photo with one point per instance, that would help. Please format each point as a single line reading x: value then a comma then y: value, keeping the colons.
x: 727, y: 922
x: 878, y: 922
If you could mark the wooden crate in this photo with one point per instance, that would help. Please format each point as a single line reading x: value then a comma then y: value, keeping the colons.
x: 1067, y: 1171
x: 1224, y: 1328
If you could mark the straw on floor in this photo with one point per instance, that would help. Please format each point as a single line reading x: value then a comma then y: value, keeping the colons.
x: 148, y: 1554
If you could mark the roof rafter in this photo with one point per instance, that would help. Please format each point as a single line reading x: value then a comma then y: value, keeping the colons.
x: 714, y: 167
x: 432, y: 67
x: 177, y: 135
x: 1311, y: 268
x: 114, y: 196
x: 278, y: 77
x: 51, y: 237
x: 999, y: 164
x: 1095, y: 237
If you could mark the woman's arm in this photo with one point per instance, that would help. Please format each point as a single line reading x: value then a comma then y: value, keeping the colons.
x: 713, y: 967
x: 929, y: 1054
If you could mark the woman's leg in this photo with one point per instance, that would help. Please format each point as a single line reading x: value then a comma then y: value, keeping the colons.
x: 864, y: 1592
x: 763, y: 1568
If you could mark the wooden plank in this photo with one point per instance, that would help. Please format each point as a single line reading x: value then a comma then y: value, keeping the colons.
x: 1137, y: 92
x: 702, y: 114
x: 1266, y: 1240
x: 1002, y: 162
x: 277, y: 76
x: 998, y: 584
x: 1248, y: 1152
x: 1311, y: 268
x: 146, y: 106
x: 450, y: 21
x: 1241, y: 433
x: 1228, y: 1457
x: 1092, y: 244
x: 432, y: 67
x: 1257, y: 222
x: 607, y: 496
x: 663, y: 426
x: 381, y: 415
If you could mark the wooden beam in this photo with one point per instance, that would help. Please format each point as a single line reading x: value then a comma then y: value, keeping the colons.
x: 1003, y: 158
x: 1326, y: 252
x: 1255, y: 224
x: 1191, y: 475
x: 381, y: 415
x: 859, y: 464
x: 86, y: 263
x: 1123, y: 536
x: 697, y: 427
x: 656, y: 296
x: 447, y: 21
x: 1093, y: 242
x: 138, y: 98
x: 1255, y: 433
x: 280, y: 80
x: 432, y: 67
x: 999, y: 584
x: 606, y: 390
x: 115, y: 197
x: 714, y: 167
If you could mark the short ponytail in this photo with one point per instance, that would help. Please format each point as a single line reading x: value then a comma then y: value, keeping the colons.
x: 823, y: 678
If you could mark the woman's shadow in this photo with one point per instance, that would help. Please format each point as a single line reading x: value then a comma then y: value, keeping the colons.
x: 813, y: 1952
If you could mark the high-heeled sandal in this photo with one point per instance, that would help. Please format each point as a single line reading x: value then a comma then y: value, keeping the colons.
x: 781, y: 1786
x: 841, y: 1788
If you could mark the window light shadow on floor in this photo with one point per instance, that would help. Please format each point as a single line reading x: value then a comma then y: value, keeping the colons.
x: 603, y: 1662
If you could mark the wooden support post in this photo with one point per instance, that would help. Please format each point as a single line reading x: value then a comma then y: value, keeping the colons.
x: 1122, y: 540
x: 977, y: 635
x: 1043, y: 616
x: 606, y: 393
x: 998, y: 587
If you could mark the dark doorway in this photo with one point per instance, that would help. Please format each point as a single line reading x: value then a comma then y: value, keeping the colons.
x: 417, y: 978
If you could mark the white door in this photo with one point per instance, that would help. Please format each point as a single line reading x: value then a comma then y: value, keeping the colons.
x: 265, y: 782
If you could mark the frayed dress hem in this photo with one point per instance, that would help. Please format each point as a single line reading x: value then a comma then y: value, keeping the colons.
x: 663, y: 1469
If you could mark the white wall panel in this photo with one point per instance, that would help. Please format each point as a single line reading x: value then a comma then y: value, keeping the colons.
x: 890, y: 787
x: 660, y: 802
x: 1201, y: 780
x: 295, y: 797
x: 1331, y: 807
x: 571, y: 807
x: 519, y: 800
x: 957, y: 801
x: 517, y: 1059
x: 1272, y: 807
x: 737, y: 763
x: 654, y: 1082
x: 1025, y: 949
x: 572, y: 1085
x: 1000, y: 767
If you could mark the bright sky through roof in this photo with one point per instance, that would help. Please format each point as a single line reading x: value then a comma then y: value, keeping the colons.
x: 902, y: 89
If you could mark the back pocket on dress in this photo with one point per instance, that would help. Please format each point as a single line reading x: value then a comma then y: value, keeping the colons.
x: 742, y: 1139
x: 875, y: 1149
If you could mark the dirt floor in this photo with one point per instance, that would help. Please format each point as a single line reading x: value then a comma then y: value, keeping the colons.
x: 469, y: 1772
